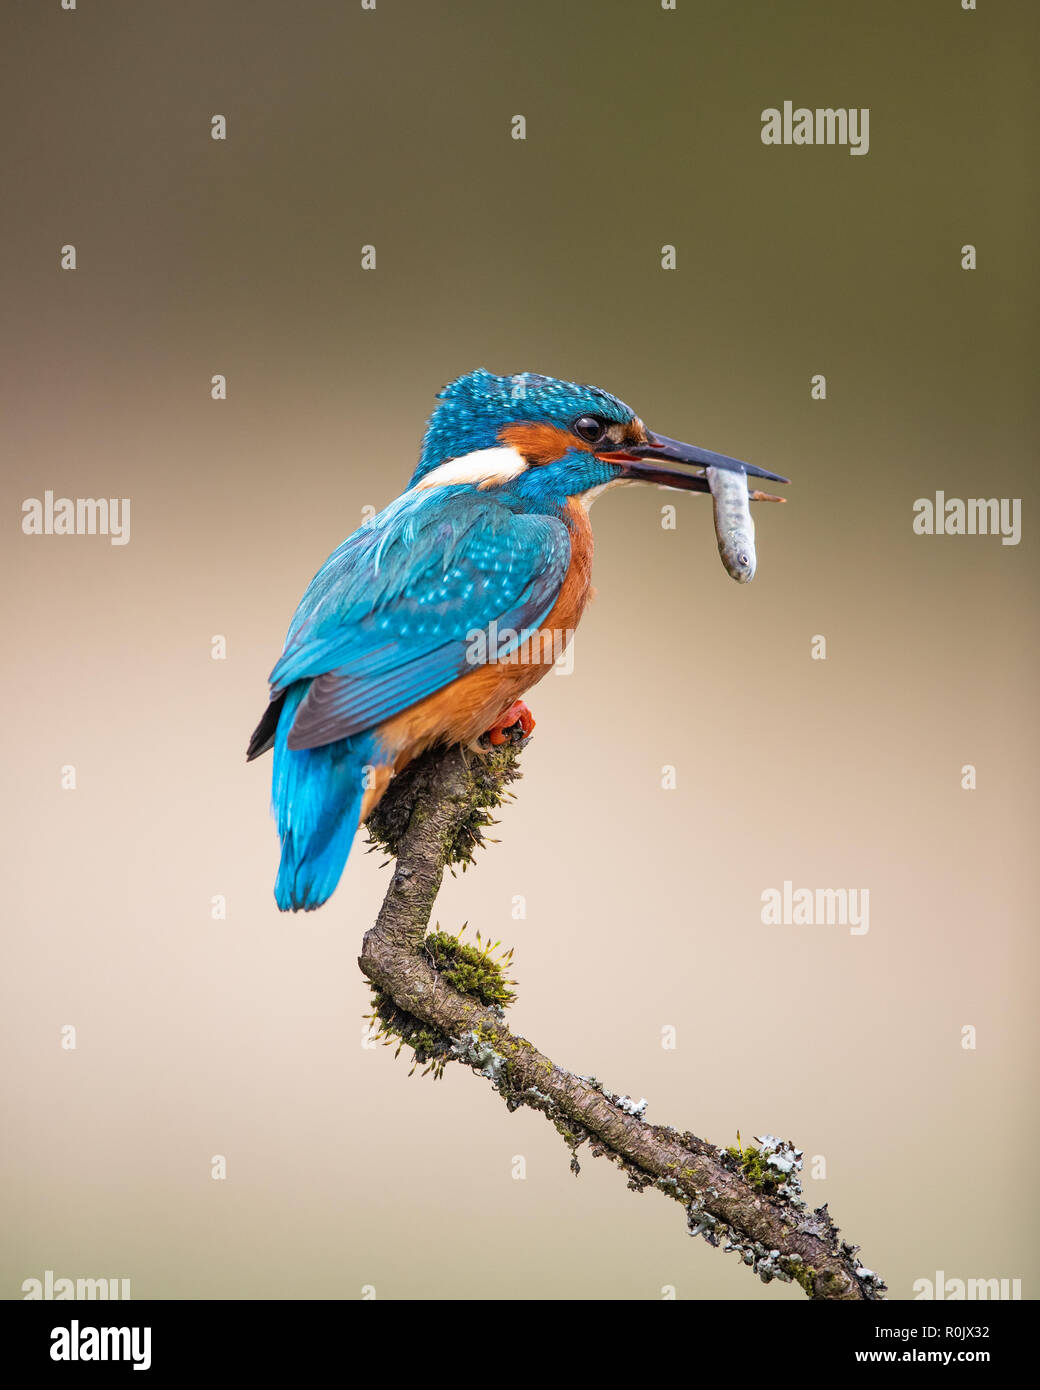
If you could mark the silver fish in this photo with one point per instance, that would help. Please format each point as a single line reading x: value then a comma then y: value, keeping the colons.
x: 733, y: 525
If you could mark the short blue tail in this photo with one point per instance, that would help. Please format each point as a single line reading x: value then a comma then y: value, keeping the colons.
x: 316, y: 798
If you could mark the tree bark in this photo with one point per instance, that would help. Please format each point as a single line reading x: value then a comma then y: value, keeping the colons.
x: 434, y: 816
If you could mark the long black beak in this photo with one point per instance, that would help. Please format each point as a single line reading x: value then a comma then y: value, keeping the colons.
x: 674, y: 464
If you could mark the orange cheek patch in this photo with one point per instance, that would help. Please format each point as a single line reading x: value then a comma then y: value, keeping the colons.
x: 539, y: 443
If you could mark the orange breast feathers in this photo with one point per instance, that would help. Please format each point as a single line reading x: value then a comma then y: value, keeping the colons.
x: 462, y: 711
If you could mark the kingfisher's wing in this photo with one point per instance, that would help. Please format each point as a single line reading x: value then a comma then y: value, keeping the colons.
x: 391, y: 615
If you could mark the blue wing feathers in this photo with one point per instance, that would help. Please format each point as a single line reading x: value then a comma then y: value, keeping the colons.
x: 385, y: 622
x: 389, y: 617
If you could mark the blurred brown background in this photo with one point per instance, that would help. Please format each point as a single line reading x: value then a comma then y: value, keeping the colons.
x: 243, y: 1037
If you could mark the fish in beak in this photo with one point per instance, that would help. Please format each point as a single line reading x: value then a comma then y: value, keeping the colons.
x: 670, y: 463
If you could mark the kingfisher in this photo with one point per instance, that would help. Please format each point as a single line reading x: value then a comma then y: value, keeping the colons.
x: 428, y: 624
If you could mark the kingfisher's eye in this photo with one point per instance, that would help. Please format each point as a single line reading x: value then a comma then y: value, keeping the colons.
x: 590, y: 429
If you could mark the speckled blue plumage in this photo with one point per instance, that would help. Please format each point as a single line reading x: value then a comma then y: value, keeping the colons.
x: 386, y: 620
x: 474, y: 408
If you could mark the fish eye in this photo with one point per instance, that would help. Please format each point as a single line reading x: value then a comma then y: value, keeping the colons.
x: 590, y: 429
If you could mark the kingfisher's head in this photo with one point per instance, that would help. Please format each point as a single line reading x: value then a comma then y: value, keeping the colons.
x: 540, y: 442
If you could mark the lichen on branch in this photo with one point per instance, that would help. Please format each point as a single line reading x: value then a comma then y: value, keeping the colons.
x: 445, y: 1000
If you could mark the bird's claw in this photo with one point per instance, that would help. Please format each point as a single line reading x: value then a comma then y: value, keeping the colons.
x: 513, y: 726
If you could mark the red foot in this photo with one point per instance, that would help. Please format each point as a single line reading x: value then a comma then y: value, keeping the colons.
x: 513, y: 726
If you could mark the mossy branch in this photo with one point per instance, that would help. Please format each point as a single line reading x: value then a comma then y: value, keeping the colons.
x: 746, y: 1198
